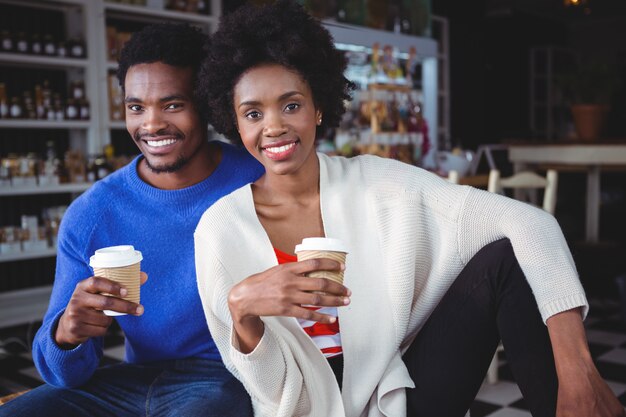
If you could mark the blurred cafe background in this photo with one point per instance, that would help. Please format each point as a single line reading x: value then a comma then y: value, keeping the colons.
x: 475, y: 91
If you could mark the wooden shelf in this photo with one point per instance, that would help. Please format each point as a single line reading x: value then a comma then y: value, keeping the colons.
x: 22, y: 256
x: 141, y: 12
x: 44, y: 124
x: 117, y: 124
x: 47, y: 4
x: 48, y: 189
x: 24, y: 306
x: 390, y: 87
x: 42, y: 61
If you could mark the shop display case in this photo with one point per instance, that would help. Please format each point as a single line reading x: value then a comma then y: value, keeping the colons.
x: 57, y: 66
x: 394, y: 110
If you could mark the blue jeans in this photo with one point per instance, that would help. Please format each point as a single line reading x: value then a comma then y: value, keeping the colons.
x: 186, y: 387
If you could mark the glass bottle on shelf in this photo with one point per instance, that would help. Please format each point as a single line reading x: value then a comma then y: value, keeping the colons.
x: 72, y: 112
x: 6, y: 41
x: 5, y: 178
x: 77, y: 89
x: 402, y: 100
x: 77, y: 48
x: 101, y: 167
x: 29, y: 106
x: 83, y: 109
x: 21, y: 44
x: 62, y: 49
x: 36, y: 46
x: 203, y: 7
x: 376, y: 74
x: 91, y: 169
x: 50, y: 174
x: 16, y: 110
x: 376, y: 16
x: 46, y: 94
x: 59, y: 112
x: 29, y: 169
x: 409, y: 66
x: 40, y: 110
x: 4, y: 103
x: 49, y: 47
x: 351, y: 11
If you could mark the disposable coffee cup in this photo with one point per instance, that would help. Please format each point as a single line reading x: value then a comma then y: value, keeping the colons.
x: 120, y: 264
x: 323, y: 247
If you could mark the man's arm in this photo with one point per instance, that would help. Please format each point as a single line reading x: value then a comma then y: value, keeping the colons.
x: 59, y: 366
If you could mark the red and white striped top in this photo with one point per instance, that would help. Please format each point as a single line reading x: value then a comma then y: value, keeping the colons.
x: 325, y: 336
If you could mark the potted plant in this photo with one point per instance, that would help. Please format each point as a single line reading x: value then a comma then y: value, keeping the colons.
x: 589, y: 90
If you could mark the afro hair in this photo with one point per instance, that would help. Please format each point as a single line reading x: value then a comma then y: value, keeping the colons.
x: 176, y: 44
x: 282, y: 33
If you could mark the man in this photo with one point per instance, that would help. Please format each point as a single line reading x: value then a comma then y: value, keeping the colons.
x: 173, y: 366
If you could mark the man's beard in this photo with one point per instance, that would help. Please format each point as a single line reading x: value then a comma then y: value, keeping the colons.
x: 176, y: 166
x: 181, y: 161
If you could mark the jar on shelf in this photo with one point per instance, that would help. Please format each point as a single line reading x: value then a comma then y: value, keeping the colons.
x: 9, y: 242
x: 12, y: 165
x: 26, y: 174
x: 75, y: 166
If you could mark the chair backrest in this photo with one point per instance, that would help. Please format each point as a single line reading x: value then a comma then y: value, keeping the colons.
x: 453, y: 176
x: 530, y: 181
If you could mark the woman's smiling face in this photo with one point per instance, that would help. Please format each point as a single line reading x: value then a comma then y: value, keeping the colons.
x: 276, y: 117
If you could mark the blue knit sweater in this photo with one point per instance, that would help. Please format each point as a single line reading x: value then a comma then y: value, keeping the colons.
x: 124, y: 210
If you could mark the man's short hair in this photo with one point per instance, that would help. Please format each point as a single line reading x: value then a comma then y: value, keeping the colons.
x: 176, y: 44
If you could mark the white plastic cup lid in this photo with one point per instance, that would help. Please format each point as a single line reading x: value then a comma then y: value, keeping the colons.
x: 115, y: 257
x: 321, y: 243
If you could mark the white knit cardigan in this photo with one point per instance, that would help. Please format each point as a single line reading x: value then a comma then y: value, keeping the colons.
x: 409, y: 235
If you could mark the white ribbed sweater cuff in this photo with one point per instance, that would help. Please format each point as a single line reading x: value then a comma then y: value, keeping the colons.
x: 563, y: 304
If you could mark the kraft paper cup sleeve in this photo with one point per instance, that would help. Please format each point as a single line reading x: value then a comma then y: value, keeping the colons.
x: 331, y: 248
x: 121, y: 264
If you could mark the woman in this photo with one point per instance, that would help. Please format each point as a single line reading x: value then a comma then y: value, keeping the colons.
x: 432, y: 267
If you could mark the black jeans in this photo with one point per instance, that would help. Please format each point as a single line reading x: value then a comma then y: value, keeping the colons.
x: 489, y: 300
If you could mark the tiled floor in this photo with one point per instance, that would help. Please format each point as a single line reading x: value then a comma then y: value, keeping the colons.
x: 606, y: 333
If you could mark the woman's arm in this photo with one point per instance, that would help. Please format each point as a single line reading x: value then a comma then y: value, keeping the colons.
x: 269, y: 366
x: 282, y: 291
x: 582, y: 391
x: 544, y: 257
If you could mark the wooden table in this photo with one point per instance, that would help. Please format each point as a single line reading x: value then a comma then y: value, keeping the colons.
x: 590, y: 156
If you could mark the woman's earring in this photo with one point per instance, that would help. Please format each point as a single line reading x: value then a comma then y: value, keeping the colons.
x: 319, y: 119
